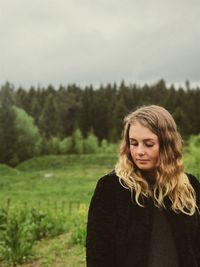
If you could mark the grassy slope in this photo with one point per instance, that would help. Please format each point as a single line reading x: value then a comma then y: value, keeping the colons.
x: 53, y: 178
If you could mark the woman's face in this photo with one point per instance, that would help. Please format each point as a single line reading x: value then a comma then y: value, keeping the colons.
x: 144, y: 147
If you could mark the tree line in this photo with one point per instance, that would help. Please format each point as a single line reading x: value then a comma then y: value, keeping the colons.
x: 37, y: 113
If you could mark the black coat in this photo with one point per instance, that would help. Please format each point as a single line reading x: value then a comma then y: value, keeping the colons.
x: 111, y: 216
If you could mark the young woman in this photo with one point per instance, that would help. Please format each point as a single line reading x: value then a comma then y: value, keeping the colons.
x: 146, y: 212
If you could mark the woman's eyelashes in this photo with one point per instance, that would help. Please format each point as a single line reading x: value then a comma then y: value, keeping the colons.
x: 135, y: 144
x: 149, y: 145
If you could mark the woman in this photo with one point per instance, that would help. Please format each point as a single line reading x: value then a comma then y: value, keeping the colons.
x: 145, y: 213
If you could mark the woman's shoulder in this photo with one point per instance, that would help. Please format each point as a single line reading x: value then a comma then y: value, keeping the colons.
x: 110, y: 183
x: 194, y: 181
x: 109, y: 179
x: 196, y: 185
x: 109, y: 189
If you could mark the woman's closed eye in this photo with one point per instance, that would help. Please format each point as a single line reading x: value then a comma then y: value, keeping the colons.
x: 145, y: 144
x: 133, y: 144
x: 149, y: 145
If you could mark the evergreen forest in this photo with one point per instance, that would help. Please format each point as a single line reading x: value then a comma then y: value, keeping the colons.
x: 73, y: 120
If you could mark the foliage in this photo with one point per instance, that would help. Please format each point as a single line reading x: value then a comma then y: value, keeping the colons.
x: 28, y: 137
x: 8, y: 132
x: 48, y: 119
x: 90, y: 144
x: 46, y: 224
x: 16, y: 237
x: 20, y: 229
x: 54, y: 146
x: 77, y: 142
x: 66, y: 116
x: 65, y: 145
x: 192, y: 155
x: 108, y: 148
x: 58, y: 113
x: 78, y: 227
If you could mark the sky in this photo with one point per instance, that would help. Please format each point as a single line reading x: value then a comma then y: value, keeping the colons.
x: 97, y: 42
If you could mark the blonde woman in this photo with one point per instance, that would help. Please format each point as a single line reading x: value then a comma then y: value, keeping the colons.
x: 146, y: 212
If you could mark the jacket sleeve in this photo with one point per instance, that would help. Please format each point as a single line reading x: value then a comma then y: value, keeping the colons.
x: 196, y: 185
x: 198, y: 217
x: 100, y: 226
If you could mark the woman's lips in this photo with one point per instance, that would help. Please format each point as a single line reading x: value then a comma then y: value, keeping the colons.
x: 142, y: 160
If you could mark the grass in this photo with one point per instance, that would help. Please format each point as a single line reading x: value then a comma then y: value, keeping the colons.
x: 53, y: 178
x: 56, y: 252
x: 55, y: 182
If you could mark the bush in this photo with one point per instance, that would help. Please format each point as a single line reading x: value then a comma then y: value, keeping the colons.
x: 20, y: 229
x: 54, y: 146
x: 65, y: 145
x: 27, y: 136
x: 108, y: 148
x: 91, y: 144
x: 17, y: 238
x: 77, y: 142
x: 3, y: 219
x: 78, y: 227
x: 192, y: 155
x: 46, y: 225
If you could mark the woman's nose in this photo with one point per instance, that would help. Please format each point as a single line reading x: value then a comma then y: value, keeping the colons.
x: 140, y: 150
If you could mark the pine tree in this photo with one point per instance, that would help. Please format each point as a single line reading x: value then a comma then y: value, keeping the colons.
x: 8, y: 132
x: 48, y: 118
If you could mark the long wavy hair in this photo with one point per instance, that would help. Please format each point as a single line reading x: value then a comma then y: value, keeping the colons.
x: 171, y: 181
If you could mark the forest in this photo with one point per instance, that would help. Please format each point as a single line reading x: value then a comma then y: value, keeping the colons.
x: 73, y: 120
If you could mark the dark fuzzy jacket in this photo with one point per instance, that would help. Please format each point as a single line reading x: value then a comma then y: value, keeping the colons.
x: 111, y: 216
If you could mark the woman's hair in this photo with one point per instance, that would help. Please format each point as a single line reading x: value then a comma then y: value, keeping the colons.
x: 171, y: 181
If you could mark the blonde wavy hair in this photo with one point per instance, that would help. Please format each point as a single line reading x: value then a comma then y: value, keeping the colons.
x: 171, y: 181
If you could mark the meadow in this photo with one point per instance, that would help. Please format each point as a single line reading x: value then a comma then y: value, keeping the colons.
x: 53, y: 178
x: 55, y: 191
x: 61, y: 186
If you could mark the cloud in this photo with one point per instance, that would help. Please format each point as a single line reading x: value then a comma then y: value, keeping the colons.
x: 99, y: 41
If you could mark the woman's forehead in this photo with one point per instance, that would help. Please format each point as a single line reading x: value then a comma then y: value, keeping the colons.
x: 137, y: 130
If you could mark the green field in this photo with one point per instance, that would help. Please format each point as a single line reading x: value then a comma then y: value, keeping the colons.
x: 58, y: 183
x: 53, y: 178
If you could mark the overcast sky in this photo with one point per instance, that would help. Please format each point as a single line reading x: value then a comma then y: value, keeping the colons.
x: 99, y: 41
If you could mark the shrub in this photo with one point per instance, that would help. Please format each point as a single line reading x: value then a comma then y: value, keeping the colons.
x: 108, y: 148
x: 77, y: 142
x: 3, y: 219
x: 78, y: 227
x: 54, y: 146
x: 16, y: 238
x: 21, y: 228
x: 65, y: 145
x: 192, y: 155
x: 91, y: 144
x: 46, y: 225
x: 27, y: 136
